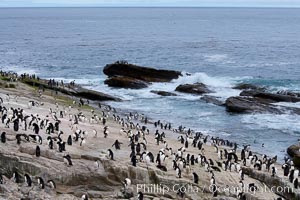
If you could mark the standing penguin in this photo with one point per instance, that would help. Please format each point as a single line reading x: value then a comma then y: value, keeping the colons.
x: 28, y: 180
x: 195, y: 178
x: 36, y: 128
x: 37, y: 151
x: 67, y: 160
x: 117, y: 145
x: 3, y: 137
x: 51, y: 184
x: 69, y: 141
x: 110, y: 154
x: 16, y: 125
x: 133, y: 160
x: 16, y: 177
x: 41, y: 183
x: 140, y: 196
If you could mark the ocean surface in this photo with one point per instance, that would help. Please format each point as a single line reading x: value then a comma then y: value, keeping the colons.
x: 218, y: 46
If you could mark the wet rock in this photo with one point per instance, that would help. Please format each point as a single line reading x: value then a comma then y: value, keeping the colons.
x: 247, y: 86
x: 163, y: 93
x: 196, y: 88
x: 277, y: 97
x: 125, y: 82
x: 249, y: 105
x: 212, y: 99
x: 294, y: 152
x: 122, y: 68
x: 77, y: 92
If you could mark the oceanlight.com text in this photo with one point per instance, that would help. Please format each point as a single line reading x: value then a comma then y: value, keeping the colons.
x: 190, y: 189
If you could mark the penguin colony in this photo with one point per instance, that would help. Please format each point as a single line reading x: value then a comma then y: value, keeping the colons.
x: 27, y: 127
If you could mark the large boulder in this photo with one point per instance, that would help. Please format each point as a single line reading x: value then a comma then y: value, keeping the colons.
x: 294, y: 152
x: 163, y: 93
x: 196, y: 88
x: 125, y: 82
x: 249, y: 105
x: 277, y: 97
x: 142, y: 73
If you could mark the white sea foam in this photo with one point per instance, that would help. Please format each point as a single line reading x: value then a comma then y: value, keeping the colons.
x: 18, y: 69
x: 285, y: 122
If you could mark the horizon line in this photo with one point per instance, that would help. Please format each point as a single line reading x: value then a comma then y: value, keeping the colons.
x: 150, y: 6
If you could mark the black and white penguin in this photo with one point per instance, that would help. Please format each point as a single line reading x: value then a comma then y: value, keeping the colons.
x: 67, y: 160
x: 16, y: 125
x: 195, y: 178
x: 105, y: 132
x: 28, y: 180
x: 126, y: 183
x: 69, y: 141
x: 36, y: 128
x: 178, y: 172
x: 286, y: 169
x: 295, y: 182
x: 274, y: 171
x: 51, y: 184
x: 241, y: 196
x: 41, y: 182
x: 3, y: 137
x: 1, y: 179
x: 37, y: 151
x: 84, y: 197
x: 16, y: 177
x: 140, y: 196
x: 133, y: 160
x: 110, y: 154
x: 117, y: 145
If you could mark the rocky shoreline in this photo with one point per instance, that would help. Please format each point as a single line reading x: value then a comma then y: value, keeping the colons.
x: 92, y: 172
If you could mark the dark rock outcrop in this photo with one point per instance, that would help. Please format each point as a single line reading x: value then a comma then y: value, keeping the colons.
x: 249, y: 105
x: 125, y: 82
x: 277, y: 97
x: 163, y: 93
x: 76, y: 91
x: 212, y: 99
x: 142, y: 73
x: 247, y: 86
x: 294, y: 152
x: 196, y: 88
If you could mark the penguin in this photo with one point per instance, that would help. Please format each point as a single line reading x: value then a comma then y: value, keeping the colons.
x: 16, y: 125
x: 51, y: 184
x: 126, y: 183
x: 69, y: 141
x: 1, y: 179
x: 41, y: 183
x: 36, y: 128
x: 178, y: 172
x: 16, y: 177
x: 105, y: 132
x: 3, y: 137
x: 28, y: 180
x: 195, y: 178
x: 274, y: 171
x: 117, y: 145
x: 133, y: 160
x: 295, y: 182
x: 110, y: 154
x: 241, y: 196
x: 84, y: 197
x: 67, y: 160
x: 37, y: 151
x: 286, y: 169
x: 140, y: 196
x: 214, y: 190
